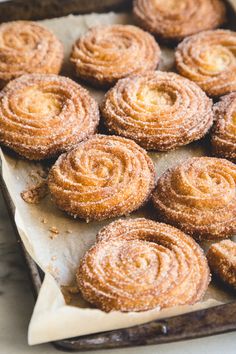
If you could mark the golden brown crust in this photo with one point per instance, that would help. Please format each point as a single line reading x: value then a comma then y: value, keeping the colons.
x: 139, y: 264
x: 107, y: 53
x: 27, y: 47
x: 209, y: 59
x: 158, y: 110
x: 222, y: 261
x: 44, y: 115
x: 199, y: 197
x: 224, y: 133
x: 173, y: 20
x: 104, y: 177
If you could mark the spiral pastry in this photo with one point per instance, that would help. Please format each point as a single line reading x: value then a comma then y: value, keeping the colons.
x: 222, y: 261
x: 105, y: 176
x: 173, y: 20
x: 27, y: 47
x: 42, y: 115
x: 158, y: 110
x: 199, y: 197
x: 139, y: 264
x: 209, y: 59
x: 224, y: 133
x: 107, y: 53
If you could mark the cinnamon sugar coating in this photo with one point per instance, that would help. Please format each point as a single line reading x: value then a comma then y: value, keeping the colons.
x: 199, y: 197
x: 107, y: 53
x: 139, y: 264
x: 222, y: 261
x: 43, y: 115
x: 103, y: 177
x: 27, y: 47
x: 158, y: 110
x: 224, y: 134
x: 209, y: 59
x: 173, y: 20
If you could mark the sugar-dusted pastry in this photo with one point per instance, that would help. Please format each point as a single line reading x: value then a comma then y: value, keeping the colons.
x: 139, y: 264
x: 222, y: 261
x: 107, y: 53
x: 173, y: 20
x: 43, y: 115
x: 199, y: 197
x: 224, y: 133
x: 27, y: 47
x: 209, y: 59
x: 103, y: 177
x: 158, y: 110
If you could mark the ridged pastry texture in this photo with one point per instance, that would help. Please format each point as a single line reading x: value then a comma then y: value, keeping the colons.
x: 139, y: 264
x: 173, y: 20
x: 107, y: 53
x: 199, y: 197
x: 224, y: 133
x: 103, y: 177
x: 222, y: 261
x: 43, y: 115
x: 27, y: 47
x: 209, y: 59
x: 158, y: 110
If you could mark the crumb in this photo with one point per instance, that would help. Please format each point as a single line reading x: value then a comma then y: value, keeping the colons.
x: 44, y: 221
x: 68, y: 292
x: 54, y: 258
x: 39, y: 173
x: 54, y: 271
x: 36, y: 193
x: 69, y: 231
x: 54, y: 232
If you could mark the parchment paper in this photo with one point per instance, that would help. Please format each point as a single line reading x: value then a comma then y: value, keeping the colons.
x: 59, y: 256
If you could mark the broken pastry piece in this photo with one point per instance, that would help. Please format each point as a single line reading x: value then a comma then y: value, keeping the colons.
x: 222, y: 261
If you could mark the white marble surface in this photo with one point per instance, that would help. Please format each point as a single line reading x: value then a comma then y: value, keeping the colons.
x: 16, y: 304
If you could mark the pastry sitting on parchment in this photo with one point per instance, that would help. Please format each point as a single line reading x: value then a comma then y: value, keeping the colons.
x: 209, y: 59
x: 173, y: 20
x: 43, y: 115
x: 139, y: 264
x: 158, y: 110
x: 107, y: 53
x: 27, y: 47
x: 103, y: 177
x: 224, y: 133
x: 199, y: 197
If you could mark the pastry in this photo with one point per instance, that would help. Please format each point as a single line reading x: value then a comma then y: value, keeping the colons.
x: 139, y: 264
x: 222, y: 261
x: 27, y: 47
x: 209, y: 59
x: 43, y: 115
x: 173, y: 20
x: 224, y: 133
x: 103, y: 177
x: 158, y: 110
x: 107, y: 53
x: 199, y: 197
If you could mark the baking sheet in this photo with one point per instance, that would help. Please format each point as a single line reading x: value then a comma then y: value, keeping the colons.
x: 58, y: 254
